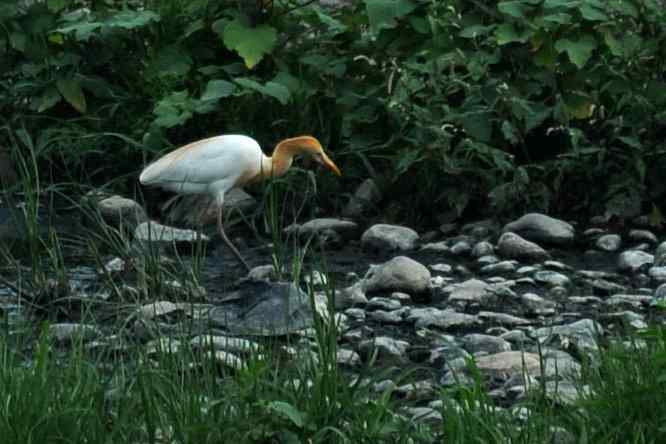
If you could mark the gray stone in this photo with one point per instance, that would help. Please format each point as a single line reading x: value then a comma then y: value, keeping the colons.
x: 552, y: 278
x: 633, y: 260
x: 367, y: 195
x: 384, y: 237
x: 263, y: 309
x: 476, y: 342
x: 163, y: 235
x: 228, y: 343
x: 581, y: 334
x: 352, y: 295
x: 658, y: 273
x: 512, y: 246
x: 483, y: 248
x: 643, y: 236
x: 628, y: 301
x: 609, y: 242
x: 345, y: 228
x: 504, y: 319
x: 389, y: 317
x: 399, y: 274
x: 436, y: 247
x: 503, y: 267
x: 120, y: 211
x: 541, y: 228
x: 67, y: 333
x: 472, y: 291
x: 158, y: 309
x: 385, y: 346
x: 425, y: 415
x: 444, y: 319
x: 461, y: 248
x: 345, y: 356
x: 381, y: 303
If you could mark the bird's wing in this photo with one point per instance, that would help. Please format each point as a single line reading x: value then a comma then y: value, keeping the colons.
x: 205, y: 161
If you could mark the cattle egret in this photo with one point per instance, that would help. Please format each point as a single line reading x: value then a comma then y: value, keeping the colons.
x: 218, y: 164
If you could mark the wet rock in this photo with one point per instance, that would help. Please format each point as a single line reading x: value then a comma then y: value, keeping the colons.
x: 385, y: 347
x: 399, y: 274
x: 163, y: 235
x: 471, y: 291
x: 483, y: 248
x: 636, y: 301
x: 537, y: 305
x: 503, y: 267
x: 660, y: 255
x: 68, y: 333
x: 228, y: 343
x: 565, y: 393
x: 367, y: 195
x: 424, y: 389
x: 384, y: 237
x: 461, y: 248
x: 389, y: 317
x: 352, y: 295
x: 503, y: 319
x: 552, y: 278
x: 263, y: 309
x: 643, y: 236
x: 609, y: 243
x: 379, y: 303
x: 158, y: 309
x: 509, y: 364
x: 512, y: 246
x: 443, y: 355
x: 476, y: 342
x: 582, y: 335
x: 345, y: 356
x: 357, y: 314
x: 401, y: 297
x: 436, y: 247
x: 425, y: 415
x: 634, y: 260
x: 344, y: 228
x: 658, y: 273
x: 444, y: 319
x: 517, y: 337
x: 541, y: 228
x: 226, y: 359
x: 119, y: 211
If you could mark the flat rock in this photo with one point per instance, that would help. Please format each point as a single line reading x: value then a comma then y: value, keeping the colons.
x: 503, y: 319
x: 583, y: 334
x: 345, y: 228
x: 399, y: 274
x: 385, y: 346
x: 120, y: 211
x: 163, y: 235
x: 67, y: 333
x: 538, y: 227
x: 228, y: 343
x: 263, y: 309
x: 444, y: 319
x: 157, y: 309
x: 634, y: 260
x: 472, y: 291
x: 345, y: 356
x: 384, y: 237
x: 476, y: 342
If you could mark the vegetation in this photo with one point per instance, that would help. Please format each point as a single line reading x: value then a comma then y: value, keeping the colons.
x: 517, y: 104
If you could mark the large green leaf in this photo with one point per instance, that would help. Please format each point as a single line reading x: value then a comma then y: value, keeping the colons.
x: 272, y: 89
x: 252, y: 44
x: 73, y: 94
x: 217, y: 89
x: 579, y: 51
x: 294, y: 415
x: 515, y: 8
x: 507, y: 33
x: 383, y: 13
x: 132, y: 19
x: 173, y: 110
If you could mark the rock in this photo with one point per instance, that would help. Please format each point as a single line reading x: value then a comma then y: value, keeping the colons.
x: 512, y: 246
x: 367, y: 195
x: 461, y: 248
x: 503, y: 267
x: 399, y: 274
x: 476, y: 342
x: 483, y: 248
x: 345, y: 228
x: 228, y: 343
x: 609, y: 242
x: 444, y: 319
x: 262, y: 273
x: 658, y: 273
x: 541, y: 228
x: 509, y: 364
x: 425, y: 415
x: 643, y: 236
x: 352, y: 295
x: 385, y: 347
x: 68, y: 333
x: 660, y: 255
x: 119, y: 211
x: 226, y: 359
x: 504, y: 319
x: 436, y: 247
x: 472, y: 291
x: 380, y: 303
x: 442, y: 268
x: 581, y: 334
x: 538, y: 305
x: 424, y: 389
x: 383, y: 237
x: 263, y: 309
x: 552, y: 278
x: 163, y: 346
x: 163, y: 235
x: 388, y: 317
x: 345, y: 356
x: 158, y: 309
x: 357, y: 314
x: 636, y: 301
x: 634, y: 260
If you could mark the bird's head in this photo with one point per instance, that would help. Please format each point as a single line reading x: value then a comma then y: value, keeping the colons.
x: 311, y: 147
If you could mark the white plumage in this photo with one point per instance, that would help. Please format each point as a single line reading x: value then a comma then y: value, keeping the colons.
x: 218, y: 164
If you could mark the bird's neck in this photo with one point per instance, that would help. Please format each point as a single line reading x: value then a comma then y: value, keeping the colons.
x: 280, y: 162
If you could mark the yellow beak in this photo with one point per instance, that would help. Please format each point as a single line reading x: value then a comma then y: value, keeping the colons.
x: 328, y: 163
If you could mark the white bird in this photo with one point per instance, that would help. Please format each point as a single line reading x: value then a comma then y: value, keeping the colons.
x: 218, y: 164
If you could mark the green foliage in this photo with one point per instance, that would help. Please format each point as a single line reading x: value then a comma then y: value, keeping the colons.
x: 505, y: 104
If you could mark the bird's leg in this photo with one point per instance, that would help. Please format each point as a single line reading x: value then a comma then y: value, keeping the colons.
x: 227, y: 241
